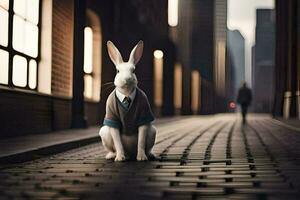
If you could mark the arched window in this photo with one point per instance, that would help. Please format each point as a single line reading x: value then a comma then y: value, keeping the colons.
x: 19, y: 43
x: 88, y: 62
x: 92, y: 57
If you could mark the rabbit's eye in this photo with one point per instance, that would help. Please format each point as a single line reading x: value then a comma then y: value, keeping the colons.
x: 133, y: 70
x: 118, y: 71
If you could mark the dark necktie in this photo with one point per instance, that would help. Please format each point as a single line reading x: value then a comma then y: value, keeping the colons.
x: 126, y: 102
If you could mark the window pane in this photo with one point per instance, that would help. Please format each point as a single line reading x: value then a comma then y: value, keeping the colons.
x: 19, y: 71
x: 31, y: 39
x: 4, y: 4
x: 32, y: 13
x: 3, y: 27
x: 18, y: 33
x: 32, y: 74
x: 20, y: 7
x: 3, y: 67
x: 88, y: 86
x: 88, y: 50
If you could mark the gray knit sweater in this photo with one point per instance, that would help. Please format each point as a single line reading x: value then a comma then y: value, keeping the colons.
x: 127, y: 120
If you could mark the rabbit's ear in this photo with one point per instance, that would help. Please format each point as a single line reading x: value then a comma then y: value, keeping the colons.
x: 136, y: 53
x: 114, y: 53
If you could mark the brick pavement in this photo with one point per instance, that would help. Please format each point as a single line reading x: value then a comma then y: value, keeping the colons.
x: 198, y: 158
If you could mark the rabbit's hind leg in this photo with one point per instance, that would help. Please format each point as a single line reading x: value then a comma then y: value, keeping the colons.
x: 107, y: 142
x: 150, y: 140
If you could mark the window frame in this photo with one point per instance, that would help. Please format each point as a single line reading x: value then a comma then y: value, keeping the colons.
x: 12, y: 52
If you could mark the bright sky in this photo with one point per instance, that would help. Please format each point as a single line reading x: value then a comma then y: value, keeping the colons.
x: 241, y: 16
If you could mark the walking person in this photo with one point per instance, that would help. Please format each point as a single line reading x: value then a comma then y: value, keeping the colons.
x: 244, y: 99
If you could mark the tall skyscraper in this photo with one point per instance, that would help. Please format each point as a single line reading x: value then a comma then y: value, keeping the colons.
x: 263, y: 61
x: 236, y: 48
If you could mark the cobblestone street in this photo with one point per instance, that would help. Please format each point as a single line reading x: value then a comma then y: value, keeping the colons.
x: 197, y: 158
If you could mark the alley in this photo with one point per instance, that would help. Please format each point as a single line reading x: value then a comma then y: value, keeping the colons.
x: 207, y: 157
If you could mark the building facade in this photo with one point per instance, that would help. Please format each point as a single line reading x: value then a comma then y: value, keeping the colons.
x: 287, y: 59
x: 236, y: 60
x: 55, y: 70
x: 263, y: 61
x: 200, y: 38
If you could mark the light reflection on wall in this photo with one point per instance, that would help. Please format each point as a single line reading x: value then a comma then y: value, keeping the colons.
x: 158, y: 77
x: 195, y: 91
x: 220, y: 67
x: 32, y: 74
x: 173, y: 12
x: 177, y: 86
x: 45, y: 64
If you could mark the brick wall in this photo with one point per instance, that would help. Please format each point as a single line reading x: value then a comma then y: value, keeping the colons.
x: 62, y: 48
x: 24, y: 113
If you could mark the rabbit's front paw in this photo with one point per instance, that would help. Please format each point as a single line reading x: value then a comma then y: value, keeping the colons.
x: 141, y: 156
x: 120, y: 157
x: 110, y: 155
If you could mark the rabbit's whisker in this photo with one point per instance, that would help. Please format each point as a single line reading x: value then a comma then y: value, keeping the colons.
x: 107, y: 83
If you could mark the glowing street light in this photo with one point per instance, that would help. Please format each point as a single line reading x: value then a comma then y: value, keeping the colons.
x: 158, y: 54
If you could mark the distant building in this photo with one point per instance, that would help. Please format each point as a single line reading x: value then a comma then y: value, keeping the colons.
x: 263, y: 61
x: 230, y: 78
x: 200, y: 38
x: 236, y: 56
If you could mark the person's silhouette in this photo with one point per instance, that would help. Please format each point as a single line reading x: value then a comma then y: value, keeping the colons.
x: 244, y: 99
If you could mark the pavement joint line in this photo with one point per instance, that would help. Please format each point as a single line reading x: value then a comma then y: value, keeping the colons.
x: 212, y: 140
x: 266, y: 148
x: 282, y: 124
x: 188, y: 148
x: 268, y: 151
x: 229, y: 142
x: 278, y: 140
x: 180, y: 138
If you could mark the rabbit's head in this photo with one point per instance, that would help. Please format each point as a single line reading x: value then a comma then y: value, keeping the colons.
x: 125, y: 78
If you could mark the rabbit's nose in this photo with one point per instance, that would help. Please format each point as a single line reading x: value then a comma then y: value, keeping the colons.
x: 128, y: 79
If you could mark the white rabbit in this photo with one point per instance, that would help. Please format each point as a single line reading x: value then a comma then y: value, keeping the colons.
x: 127, y: 130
